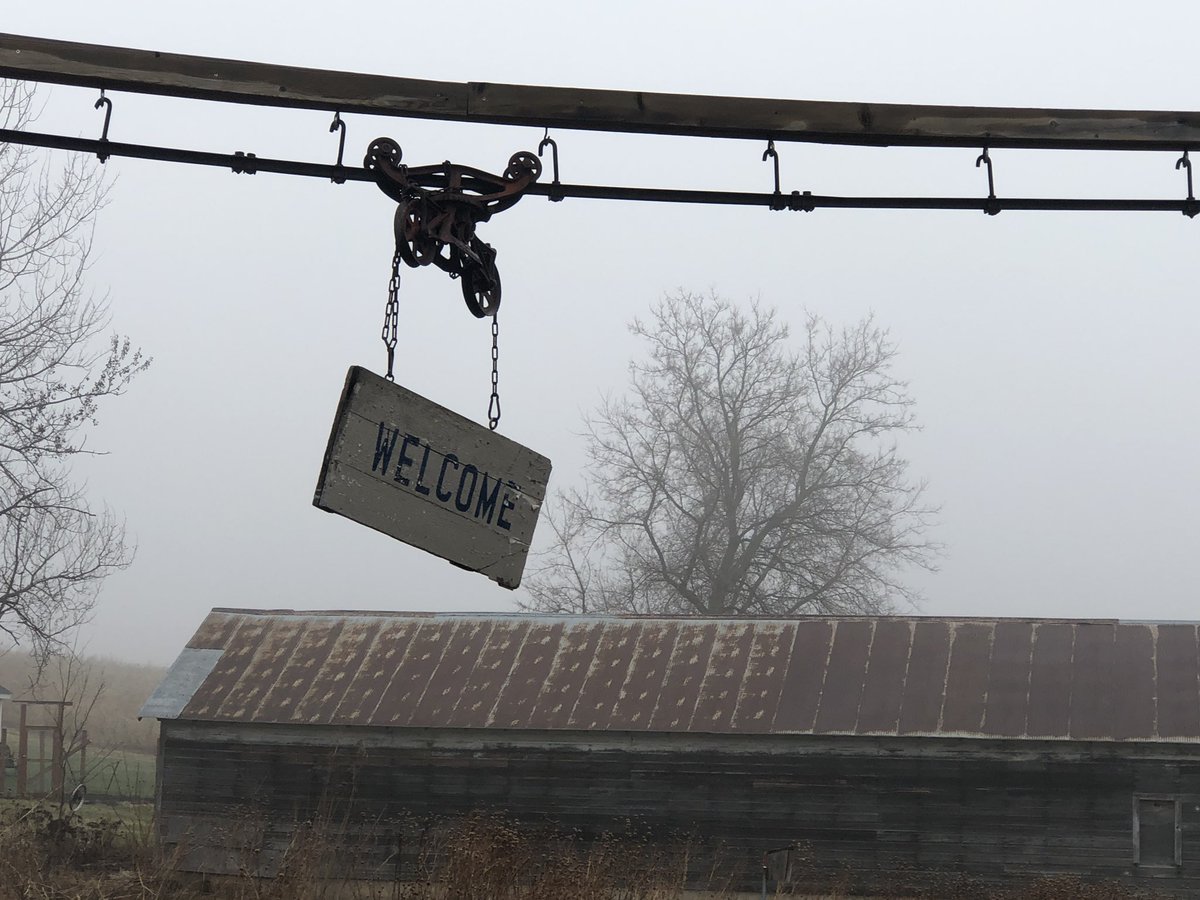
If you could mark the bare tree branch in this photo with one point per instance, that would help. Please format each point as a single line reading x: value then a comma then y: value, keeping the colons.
x: 741, y: 477
x: 56, y: 367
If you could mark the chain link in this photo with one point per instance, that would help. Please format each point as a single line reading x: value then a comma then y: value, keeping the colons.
x: 391, y: 316
x: 494, y: 402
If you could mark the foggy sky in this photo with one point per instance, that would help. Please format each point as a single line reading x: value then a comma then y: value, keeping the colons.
x: 1052, y: 355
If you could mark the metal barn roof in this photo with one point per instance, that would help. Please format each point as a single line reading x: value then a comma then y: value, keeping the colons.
x: 985, y: 678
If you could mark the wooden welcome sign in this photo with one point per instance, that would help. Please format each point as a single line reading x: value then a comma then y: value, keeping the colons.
x: 429, y: 477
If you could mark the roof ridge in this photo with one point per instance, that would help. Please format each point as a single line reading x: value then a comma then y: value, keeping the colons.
x: 649, y: 617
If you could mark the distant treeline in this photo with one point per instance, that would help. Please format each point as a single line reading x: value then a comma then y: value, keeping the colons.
x: 106, y: 694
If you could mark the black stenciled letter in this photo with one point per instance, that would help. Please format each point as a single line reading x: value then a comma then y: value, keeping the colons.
x: 384, y: 448
x: 405, y: 460
x: 420, y: 487
x: 485, y: 506
x: 507, y: 504
x: 445, y: 496
x: 465, y: 505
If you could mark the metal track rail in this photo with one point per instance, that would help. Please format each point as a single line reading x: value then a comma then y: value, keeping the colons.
x: 248, y: 163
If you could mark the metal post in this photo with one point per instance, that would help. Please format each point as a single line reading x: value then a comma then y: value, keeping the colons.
x: 22, y: 754
x: 57, y: 763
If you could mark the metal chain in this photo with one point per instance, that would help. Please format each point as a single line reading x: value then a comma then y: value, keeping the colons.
x: 391, y: 315
x: 494, y: 402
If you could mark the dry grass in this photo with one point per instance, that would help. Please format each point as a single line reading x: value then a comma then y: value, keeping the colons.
x: 482, y: 857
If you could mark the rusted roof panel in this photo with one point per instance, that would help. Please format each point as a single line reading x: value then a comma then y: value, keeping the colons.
x: 392, y: 642
x: 966, y: 681
x: 444, y: 692
x: 331, y: 681
x: 925, y: 688
x: 1177, y: 671
x: 759, y: 697
x: 489, y: 676
x: 1133, y: 682
x: 1093, y: 682
x: 879, y: 710
x: 606, y: 706
x: 404, y: 689
x: 1050, y: 676
x: 519, y: 693
x: 847, y: 669
x: 1008, y: 678
x: 723, y: 681
x: 564, y: 684
x: 988, y: 678
x: 676, y: 702
x: 804, y: 679
x: 313, y: 646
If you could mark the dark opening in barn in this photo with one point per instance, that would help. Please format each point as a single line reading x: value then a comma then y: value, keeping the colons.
x: 882, y: 751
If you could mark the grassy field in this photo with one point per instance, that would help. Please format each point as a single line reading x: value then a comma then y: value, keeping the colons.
x: 116, y: 774
x: 119, y: 773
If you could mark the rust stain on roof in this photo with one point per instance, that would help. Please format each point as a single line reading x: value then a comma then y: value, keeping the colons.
x: 999, y: 678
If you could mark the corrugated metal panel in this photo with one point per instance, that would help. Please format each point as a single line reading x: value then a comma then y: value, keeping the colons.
x: 879, y: 711
x: 1177, y: 671
x: 925, y: 687
x: 804, y: 678
x: 1056, y: 680
x: 846, y: 672
x: 1050, y: 676
x: 967, y: 678
x: 1008, y: 679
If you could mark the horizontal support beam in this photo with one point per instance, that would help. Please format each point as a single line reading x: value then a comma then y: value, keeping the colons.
x: 636, y: 112
x: 796, y: 201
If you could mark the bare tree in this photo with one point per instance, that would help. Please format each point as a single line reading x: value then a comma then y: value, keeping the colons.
x: 55, y: 368
x: 740, y: 476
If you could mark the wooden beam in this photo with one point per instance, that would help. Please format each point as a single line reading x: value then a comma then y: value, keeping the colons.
x: 872, y: 124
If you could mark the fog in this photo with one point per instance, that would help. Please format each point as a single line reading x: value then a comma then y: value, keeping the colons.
x: 1051, y: 355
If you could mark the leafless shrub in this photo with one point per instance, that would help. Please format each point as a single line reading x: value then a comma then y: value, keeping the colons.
x: 55, y: 369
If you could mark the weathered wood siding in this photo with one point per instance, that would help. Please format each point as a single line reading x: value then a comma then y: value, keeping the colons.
x: 879, y: 810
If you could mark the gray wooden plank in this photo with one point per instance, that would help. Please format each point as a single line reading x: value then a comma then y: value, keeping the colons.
x: 646, y: 112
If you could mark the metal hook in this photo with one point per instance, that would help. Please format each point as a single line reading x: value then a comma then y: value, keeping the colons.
x: 548, y: 141
x: 992, y: 206
x: 1190, y: 206
x: 336, y: 125
x: 107, y: 104
x: 770, y: 153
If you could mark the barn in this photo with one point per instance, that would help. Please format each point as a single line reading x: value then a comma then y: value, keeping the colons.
x: 881, y: 749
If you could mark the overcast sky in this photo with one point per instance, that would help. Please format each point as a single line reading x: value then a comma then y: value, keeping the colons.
x: 1052, y: 355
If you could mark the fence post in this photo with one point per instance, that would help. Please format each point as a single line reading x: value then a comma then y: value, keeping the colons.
x: 22, y: 754
x: 56, y: 761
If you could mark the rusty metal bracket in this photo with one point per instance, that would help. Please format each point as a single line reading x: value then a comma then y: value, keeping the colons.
x: 772, y: 154
x: 1190, y: 206
x: 438, y: 208
x: 992, y: 206
x: 106, y: 102
x: 556, y: 185
x: 340, y: 126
